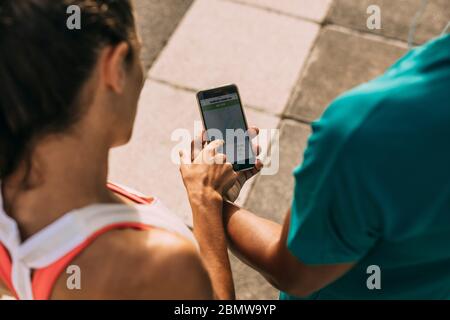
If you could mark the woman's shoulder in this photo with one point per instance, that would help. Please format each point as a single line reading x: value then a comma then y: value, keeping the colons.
x: 135, y: 264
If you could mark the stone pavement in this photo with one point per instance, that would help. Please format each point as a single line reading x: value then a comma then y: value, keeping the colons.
x: 290, y: 58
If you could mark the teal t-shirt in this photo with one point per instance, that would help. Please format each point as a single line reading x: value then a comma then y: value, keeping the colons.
x: 374, y: 187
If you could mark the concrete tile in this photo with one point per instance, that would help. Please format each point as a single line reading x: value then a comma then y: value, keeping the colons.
x: 249, y: 284
x: 340, y: 61
x: 397, y: 16
x: 145, y: 163
x: 271, y: 196
x: 310, y: 9
x: 263, y: 121
x: 156, y: 22
x: 222, y: 42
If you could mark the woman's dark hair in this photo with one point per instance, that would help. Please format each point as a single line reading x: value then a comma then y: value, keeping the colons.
x: 44, y: 65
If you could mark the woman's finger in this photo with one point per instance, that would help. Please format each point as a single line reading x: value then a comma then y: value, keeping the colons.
x: 220, y: 158
x: 207, y: 155
x: 183, y: 157
x: 211, y: 149
x: 196, y: 146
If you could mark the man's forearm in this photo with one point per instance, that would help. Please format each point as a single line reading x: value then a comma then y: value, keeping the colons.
x: 208, y: 229
x: 263, y: 245
x: 254, y: 240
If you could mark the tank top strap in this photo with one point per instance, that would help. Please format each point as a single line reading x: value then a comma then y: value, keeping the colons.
x: 58, y: 239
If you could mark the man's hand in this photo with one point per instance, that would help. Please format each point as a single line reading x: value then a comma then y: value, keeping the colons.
x: 244, y: 176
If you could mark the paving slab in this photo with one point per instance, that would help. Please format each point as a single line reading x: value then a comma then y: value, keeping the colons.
x: 145, y: 163
x: 221, y: 42
x: 340, y: 61
x: 156, y: 21
x: 271, y: 197
x: 397, y: 16
x: 249, y: 284
x: 309, y: 9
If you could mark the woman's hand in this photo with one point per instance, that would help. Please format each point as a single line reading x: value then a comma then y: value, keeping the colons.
x: 207, y: 178
x: 232, y: 193
x: 208, y: 172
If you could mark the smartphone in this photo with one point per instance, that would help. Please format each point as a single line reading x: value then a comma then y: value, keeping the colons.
x: 223, y: 118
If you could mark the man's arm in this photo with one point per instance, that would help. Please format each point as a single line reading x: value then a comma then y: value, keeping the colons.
x: 262, y: 244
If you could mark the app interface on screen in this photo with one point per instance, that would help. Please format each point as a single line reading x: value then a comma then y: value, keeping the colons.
x: 222, y: 113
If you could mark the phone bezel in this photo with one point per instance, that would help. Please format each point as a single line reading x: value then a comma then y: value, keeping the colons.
x: 220, y: 91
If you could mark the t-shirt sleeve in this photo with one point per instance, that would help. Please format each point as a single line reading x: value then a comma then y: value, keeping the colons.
x: 330, y: 221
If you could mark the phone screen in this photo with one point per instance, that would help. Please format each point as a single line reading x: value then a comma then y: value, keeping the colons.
x: 224, y: 119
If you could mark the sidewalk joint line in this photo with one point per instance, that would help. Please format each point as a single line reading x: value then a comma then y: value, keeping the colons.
x: 274, y: 11
x: 339, y: 28
x: 366, y: 34
x: 170, y: 84
x: 296, y: 119
x: 297, y: 85
x: 192, y: 90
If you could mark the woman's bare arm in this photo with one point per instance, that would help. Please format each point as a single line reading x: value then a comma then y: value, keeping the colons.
x: 3, y: 290
x: 208, y: 229
x: 207, y: 176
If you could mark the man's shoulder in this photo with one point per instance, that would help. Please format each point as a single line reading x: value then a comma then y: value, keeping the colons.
x: 366, y: 110
x: 352, y: 121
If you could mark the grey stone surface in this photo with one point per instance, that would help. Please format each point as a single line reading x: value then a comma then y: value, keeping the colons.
x: 340, y: 61
x: 156, y: 21
x: 153, y: 149
x: 309, y: 9
x: 397, y: 16
x: 271, y: 197
x: 249, y: 284
x: 221, y: 42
